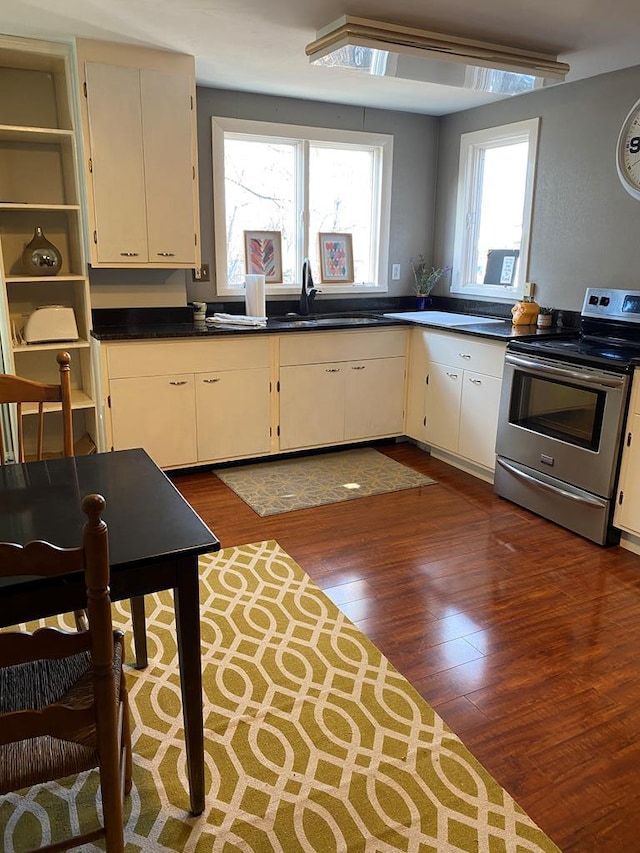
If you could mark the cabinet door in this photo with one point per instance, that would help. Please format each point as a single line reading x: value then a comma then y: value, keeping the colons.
x: 168, y: 167
x: 157, y: 413
x: 311, y: 405
x: 117, y: 164
x: 479, y: 418
x: 374, y: 400
x: 627, y: 513
x: 443, y: 394
x: 233, y: 411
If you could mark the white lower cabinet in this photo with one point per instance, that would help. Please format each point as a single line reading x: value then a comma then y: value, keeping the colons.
x: 326, y: 401
x: 219, y: 408
x: 479, y: 418
x: 311, y: 405
x: 627, y: 511
x: 233, y: 414
x: 454, y: 394
x: 157, y: 413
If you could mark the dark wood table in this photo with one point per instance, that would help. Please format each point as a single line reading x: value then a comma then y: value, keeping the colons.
x: 155, y: 539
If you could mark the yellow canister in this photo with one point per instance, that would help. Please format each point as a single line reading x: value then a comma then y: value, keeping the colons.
x: 524, y: 313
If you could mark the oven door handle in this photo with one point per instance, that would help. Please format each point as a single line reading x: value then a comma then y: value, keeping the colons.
x: 594, y: 379
x: 545, y: 487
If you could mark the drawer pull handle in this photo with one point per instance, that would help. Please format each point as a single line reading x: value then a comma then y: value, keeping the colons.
x: 358, y: 367
x: 178, y: 382
x: 332, y: 370
x: 211, y: 381
x: 129, y: 254
x: 452, y: 375
x: 476, y: 381
x: 464, y: 355
x: 166, y: 254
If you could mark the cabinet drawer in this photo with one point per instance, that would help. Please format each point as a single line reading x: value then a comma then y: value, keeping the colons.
x: 158, y: 358
x: 322, y: 347
x: 466, y: 353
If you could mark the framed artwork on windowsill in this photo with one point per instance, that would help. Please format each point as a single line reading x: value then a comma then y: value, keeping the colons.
x: 263, y: 254
x: 336, y: 258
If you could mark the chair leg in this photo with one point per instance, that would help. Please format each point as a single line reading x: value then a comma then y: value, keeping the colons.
x: 112, y: 804
x: 126, y: 738
x: 82, y: 623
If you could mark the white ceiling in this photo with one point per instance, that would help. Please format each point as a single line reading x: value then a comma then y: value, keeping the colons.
x: 258, y: 45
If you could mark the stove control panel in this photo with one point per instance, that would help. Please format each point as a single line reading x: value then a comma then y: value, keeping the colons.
x: 620, y: 305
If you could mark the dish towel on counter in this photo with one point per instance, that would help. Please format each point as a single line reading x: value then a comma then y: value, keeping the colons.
x: 235, y: 320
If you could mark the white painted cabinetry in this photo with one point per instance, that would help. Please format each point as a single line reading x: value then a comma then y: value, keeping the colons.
x: 191, y: 402
x: 454, y: 395
x: 338, y: 387
x: 627, y: 511
x: 39, y: 188
x: 138, y: 115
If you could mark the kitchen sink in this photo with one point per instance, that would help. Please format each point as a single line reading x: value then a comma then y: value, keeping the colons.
x: 326, y: 319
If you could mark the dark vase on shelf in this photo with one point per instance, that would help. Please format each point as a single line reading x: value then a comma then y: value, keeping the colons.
x: 40, y: 256
x: 423, y: 302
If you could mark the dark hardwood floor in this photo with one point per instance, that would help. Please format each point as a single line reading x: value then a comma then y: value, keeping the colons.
x: 523, y: 636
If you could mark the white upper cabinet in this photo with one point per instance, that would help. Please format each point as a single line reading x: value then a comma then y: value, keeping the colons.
x: 140, y: 156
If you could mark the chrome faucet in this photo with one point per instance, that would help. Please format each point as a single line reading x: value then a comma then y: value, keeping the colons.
x: 308, y: 292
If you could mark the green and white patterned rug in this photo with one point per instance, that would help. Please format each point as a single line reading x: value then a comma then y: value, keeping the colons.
x: 273, y: 487
x: 314, y: 742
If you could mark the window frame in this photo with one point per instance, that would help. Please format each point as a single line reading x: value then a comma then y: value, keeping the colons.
x: 472, y: 145
x: 304, y: 136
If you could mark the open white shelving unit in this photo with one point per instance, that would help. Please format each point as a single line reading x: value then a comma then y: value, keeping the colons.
x: 39, y: 186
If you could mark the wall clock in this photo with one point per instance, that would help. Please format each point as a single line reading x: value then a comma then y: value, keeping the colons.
x: 628, y: 153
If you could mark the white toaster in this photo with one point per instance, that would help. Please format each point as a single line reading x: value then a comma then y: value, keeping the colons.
x: 50, y: 323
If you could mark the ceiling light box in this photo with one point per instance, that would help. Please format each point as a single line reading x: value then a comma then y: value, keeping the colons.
x: 391, y: 50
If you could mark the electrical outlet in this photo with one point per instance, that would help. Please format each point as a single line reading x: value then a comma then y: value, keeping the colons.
x: 395, y: 272
x: 528, y: 289
x: 201, y: 273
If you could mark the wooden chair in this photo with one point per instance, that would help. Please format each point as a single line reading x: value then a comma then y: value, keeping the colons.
x: 63, y: 698
x: 15, y: 389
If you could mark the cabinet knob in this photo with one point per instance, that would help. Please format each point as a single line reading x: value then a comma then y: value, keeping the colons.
x: 166, y: 254
x: 211, y: 381
x: 475, y: 381
x: 464, y: 355
x: 332, y: 370
x: 358, y: 367
x: 178, y: 382
x: 452, y: 375
x: 129, y: 254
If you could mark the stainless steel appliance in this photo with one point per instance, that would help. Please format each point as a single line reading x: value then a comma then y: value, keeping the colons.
x: 562, y: 414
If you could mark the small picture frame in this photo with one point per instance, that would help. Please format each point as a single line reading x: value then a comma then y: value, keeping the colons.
x: 336, y: 258
x: 263, y: 254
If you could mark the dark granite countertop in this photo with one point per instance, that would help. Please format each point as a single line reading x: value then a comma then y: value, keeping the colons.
x: 169, y: 323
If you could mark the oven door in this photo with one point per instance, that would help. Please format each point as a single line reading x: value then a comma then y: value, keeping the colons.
x: 563, y: 420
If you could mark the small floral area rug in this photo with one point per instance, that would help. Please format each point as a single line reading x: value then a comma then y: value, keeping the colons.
x: 314, y: 742
x: 273, y: 487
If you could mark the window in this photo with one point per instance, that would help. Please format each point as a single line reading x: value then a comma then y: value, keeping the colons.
x: 493, y: 214
x: 301, y: 182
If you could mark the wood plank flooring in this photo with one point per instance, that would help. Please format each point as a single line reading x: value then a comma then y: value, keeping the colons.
x: 523, y: 636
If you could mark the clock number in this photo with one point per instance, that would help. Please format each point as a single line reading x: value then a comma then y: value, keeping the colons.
x: 634, y: 145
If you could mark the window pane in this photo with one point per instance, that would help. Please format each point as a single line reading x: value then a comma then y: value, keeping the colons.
x: 260, y: 195
x: 341, y: 199
x: 501, y: 208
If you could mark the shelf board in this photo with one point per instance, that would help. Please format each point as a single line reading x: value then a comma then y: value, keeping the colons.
x: 55, y: 345
x: 15, y: 205
x: 79, y: 400
x: 43, y: 279
x: 16, y: 133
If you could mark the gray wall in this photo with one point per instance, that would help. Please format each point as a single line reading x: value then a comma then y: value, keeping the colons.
x: 414, y: 167
x: 586, y: 227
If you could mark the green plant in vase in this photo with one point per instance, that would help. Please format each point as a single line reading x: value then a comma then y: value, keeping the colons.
x: 426, y: 277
